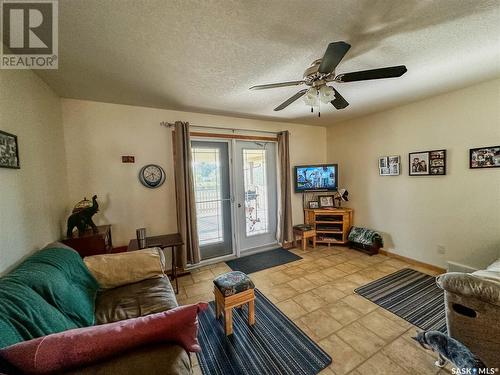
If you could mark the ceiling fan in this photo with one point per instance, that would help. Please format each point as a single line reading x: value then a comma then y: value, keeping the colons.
x: 322, y: 71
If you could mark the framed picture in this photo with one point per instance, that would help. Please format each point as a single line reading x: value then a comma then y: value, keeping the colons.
x: 484, y: 157
x: 389, y: 165
x: 427, y: 163
x: 326, y: 201
x: 9, y: 153
x: 313, y: 204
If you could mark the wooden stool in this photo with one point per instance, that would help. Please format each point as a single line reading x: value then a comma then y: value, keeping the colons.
x: 233, y: 289
x: 304, y: 235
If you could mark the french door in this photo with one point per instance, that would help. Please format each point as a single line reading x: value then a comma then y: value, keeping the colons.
x: 235, y: 191
x: 255, y: 191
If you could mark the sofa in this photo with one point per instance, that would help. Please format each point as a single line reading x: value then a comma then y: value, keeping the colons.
x: 473, y: 310
x: 53, y: 291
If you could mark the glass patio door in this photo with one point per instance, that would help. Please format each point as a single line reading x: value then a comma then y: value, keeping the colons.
x: 255, y: 184
x: 211, y: 173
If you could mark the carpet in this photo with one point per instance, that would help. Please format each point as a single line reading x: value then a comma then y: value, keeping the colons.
x: 261, y: 261
x: 274, y: 345
x: 411, y: 295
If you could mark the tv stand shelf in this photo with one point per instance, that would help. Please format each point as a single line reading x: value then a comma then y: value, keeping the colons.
x: 332, y: 225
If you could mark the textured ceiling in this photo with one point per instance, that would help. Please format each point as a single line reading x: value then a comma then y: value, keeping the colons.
x: 202, y: 56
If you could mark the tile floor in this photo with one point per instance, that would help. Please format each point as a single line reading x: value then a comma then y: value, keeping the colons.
x: 317, y: 293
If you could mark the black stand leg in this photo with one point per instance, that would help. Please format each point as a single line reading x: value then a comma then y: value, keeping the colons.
x: 174, y: 269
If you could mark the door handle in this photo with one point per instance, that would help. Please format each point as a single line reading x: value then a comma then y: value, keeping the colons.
x: 239, y: 205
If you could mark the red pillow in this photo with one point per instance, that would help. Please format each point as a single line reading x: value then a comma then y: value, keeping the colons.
x: 77, y: 347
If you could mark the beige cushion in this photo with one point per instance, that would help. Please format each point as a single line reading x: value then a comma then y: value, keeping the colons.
x: 113, y: 270
x: 471, y: 285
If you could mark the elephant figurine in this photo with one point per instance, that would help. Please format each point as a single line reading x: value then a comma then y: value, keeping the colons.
x: 82, y: 219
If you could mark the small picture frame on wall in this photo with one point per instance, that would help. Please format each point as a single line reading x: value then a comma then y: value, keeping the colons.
x: 484, y: 157
x: 427, y: 163
x: 389, y: 165
x: 326, y: 201
x: 313, y: 204
x: 9, y: 152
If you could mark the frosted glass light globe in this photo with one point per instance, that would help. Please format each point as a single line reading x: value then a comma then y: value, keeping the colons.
x: 311, y: 97
x: 326, y: 94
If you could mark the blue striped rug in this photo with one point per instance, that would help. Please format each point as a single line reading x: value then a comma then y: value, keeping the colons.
x: 274, y: 345
x: 411, y: 295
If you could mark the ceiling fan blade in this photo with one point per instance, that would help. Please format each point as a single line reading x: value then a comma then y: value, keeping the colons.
x: 339, y: 102
x: 273, y: 85
x: 290, y: 100
x: 363, y: 75
x: 334, y: 53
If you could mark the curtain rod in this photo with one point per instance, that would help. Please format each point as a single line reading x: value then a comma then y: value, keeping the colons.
x: 169, y: 125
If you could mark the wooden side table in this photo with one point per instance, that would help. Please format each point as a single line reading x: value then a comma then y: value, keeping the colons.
x: 92, y: 243
x: 304, y: 236
x: 172, y: 241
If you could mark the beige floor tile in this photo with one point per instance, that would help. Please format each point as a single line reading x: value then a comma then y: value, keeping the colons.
x: 359, y: 303
x: 199, y: 289
x: 334, y: 273
x: 282, y: 292
x: 302, y: 284
x: 360, y: 262
x: 385, y: 268
x: 278, y: 277
x: 344, y: 285
x: 291, y: 309
x: 309, y: 301
x: 320, y: 323
x: 203, y: 276
x: 186, y: 280
x: 365, y: 341
x: 337, y: 259
x: 397, y: 263
x: 329, y: 293
x: 318, y: 278
x: 327, y: 371
x: 347, y: 267
x: 382, y: 326
x: 394, y: 318
x: 373, y: 274
x: 295, y: 272
x: 324, y: 262
x: 380, y: 364
x: 415, y: 360
x: 359, y: 278
x: 342, y: 312
x: 311, y: 267
x: 344, y: 357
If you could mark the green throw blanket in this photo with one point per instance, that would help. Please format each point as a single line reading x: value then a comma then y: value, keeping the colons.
x: 51, y: 291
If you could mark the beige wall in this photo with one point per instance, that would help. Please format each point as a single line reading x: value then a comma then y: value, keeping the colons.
x: 33, y: 198
x: 97, y: 134
x: 461, y: 210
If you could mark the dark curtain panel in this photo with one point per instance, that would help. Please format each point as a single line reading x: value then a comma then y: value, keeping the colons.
x: 285, y: 226
x: 184, y: 192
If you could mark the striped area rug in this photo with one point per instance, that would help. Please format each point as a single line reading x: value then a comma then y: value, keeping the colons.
x: 274, y: 345
x: 411, y: 295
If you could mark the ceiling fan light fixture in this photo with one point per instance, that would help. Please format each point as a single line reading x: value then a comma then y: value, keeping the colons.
x: 326, y: 94
x: 311, y: 97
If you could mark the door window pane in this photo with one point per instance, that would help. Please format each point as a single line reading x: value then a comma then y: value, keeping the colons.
x: 255, y: 185
x: 208, y: 195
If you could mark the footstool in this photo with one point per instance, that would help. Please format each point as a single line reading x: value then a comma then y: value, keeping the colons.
x: 233, y: 289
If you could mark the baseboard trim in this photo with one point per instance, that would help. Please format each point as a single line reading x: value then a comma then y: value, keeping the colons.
x: 412, y: 261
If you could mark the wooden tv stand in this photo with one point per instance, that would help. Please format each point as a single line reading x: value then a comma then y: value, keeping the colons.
x: 332, y: 225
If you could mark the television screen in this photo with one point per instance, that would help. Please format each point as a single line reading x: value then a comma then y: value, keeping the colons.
x: 316, y: 177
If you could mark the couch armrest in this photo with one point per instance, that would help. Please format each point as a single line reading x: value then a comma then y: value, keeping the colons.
x: 151, y: 360
x: 472, y: 286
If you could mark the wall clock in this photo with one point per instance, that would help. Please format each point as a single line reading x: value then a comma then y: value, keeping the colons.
x: 152, y: 176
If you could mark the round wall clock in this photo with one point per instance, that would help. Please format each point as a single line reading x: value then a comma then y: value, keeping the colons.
x: 152, y: 176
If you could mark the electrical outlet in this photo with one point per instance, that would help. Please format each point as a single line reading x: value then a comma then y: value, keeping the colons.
x: 441, y: 249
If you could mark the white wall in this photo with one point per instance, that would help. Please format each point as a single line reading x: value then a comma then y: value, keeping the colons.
x: 461, y: 210
x: 97, y: 134
x: 33, y: 198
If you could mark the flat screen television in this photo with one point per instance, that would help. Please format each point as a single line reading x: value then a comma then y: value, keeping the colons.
x: 322, y: 177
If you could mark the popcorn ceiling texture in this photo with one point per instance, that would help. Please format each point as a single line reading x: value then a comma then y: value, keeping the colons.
x: 202, y: 56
